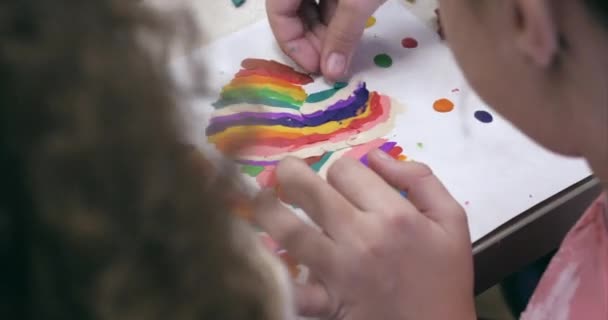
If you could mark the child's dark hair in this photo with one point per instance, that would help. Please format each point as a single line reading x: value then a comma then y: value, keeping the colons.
x: 600, y: 8
x: 103, y: 213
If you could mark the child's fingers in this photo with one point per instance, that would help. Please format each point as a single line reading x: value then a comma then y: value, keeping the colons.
x: 312, y: 300
x: 302, y: 241
x: 292, y: 32
x: 423, y: 188
x: 328, y: 10
x: 343, y: 34
x: 365, y: 189
x: 302, y: 187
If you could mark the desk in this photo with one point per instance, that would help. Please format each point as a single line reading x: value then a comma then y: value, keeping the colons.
x: 527, y: 237
x: 531, y: 235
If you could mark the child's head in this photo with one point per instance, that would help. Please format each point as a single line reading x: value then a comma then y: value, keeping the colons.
x: 103, y: 214
x: 540, y: 63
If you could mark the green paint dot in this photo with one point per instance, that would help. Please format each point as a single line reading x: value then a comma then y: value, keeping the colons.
x: 238, y: 3
x: 383, y: 60
x: 420, y: 145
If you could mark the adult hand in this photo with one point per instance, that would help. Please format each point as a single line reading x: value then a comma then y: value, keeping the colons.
x: 380, y: 255
x: 320, y: 37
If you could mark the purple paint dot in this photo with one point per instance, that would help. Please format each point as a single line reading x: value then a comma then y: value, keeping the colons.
x: 484, y: 116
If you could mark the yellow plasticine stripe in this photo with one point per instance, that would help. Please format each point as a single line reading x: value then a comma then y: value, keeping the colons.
x: 288, y: 132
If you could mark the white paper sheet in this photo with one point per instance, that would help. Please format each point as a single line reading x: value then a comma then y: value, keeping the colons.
x: 492, y: 169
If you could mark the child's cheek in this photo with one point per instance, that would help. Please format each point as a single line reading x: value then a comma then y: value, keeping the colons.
x: 439, y: 25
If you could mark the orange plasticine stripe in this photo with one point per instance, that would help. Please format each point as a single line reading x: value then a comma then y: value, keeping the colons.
x: 283, y: 139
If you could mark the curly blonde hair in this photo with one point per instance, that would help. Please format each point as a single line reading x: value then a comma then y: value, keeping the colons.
x: 103, y: 213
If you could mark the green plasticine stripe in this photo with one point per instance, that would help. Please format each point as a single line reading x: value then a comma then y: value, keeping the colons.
x: 257, y: 96
x: 326, y: 94
x: 252, y: 171
x: 317, y: 166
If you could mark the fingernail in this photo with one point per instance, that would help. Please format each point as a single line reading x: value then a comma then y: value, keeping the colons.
x: 383, y: 155
x: 336, y: 64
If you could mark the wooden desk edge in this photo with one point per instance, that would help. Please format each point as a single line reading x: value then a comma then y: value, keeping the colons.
x: 531, y: 235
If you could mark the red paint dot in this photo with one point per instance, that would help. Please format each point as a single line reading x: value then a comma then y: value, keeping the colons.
x: 409, y: 43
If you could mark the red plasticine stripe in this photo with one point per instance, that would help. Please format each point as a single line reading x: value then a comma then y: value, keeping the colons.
x: 275, y: 69
x: 293, y: 78
x: 395, y: 152
x: 313, y: 160
x: 283, y: 139
x: 298, y: 140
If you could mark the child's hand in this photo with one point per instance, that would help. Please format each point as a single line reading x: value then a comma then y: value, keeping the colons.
x: 381, y: 256
x: 320, y: 37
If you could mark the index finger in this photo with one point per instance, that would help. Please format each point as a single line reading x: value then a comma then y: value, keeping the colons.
x: 305, y: 243
x: 294, y: 33
x: 424, y: 189
x: 302, y: 187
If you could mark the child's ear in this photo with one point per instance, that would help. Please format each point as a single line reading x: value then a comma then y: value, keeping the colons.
x: 536, y: 32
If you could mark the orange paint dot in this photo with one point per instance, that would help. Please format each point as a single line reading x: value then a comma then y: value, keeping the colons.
x: 443, y: 105
x: 371, y: 21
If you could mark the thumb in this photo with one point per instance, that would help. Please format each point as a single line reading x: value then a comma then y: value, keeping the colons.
x: 312, y: 300
x: 424, y: 190
x: 343, y: 35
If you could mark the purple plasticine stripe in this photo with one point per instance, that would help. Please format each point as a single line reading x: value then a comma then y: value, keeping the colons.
x: 386, y: 147
x: 364, y: 160
x: 340, y: 110
x: 257, y: 163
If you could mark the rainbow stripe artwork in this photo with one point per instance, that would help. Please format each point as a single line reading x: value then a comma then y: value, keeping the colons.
x: 266, y: 102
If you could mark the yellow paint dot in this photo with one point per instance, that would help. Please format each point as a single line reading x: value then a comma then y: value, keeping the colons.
x: 371, y: 21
